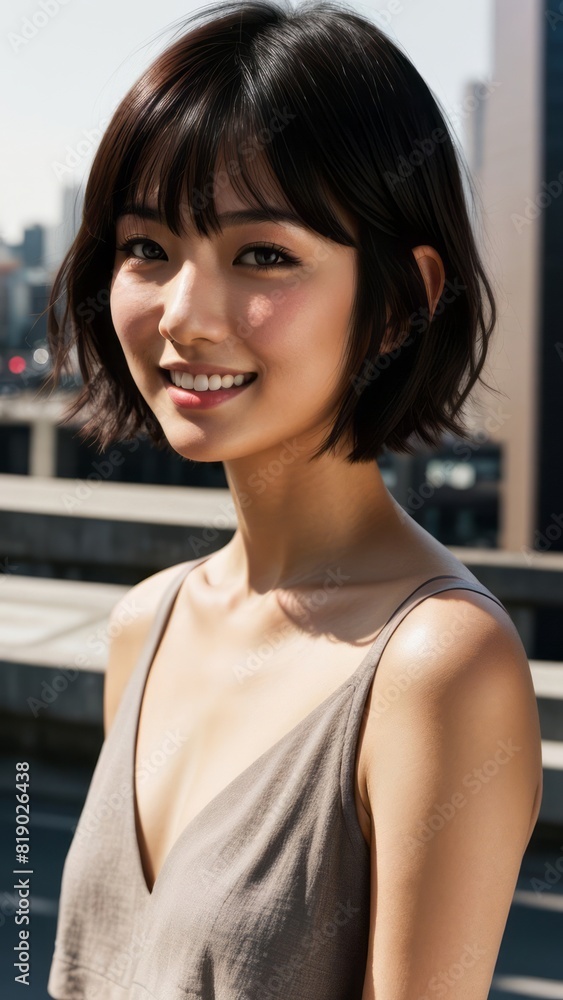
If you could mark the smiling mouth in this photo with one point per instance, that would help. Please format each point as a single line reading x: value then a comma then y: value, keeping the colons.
x: 201, y: 383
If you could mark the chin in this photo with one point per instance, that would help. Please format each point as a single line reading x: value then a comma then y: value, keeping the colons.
x: 191, y: 443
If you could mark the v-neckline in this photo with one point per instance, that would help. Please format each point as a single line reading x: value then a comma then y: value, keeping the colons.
x: 148, y: 660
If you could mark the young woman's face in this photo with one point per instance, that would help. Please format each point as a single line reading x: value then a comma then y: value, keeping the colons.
x: 229, y: 305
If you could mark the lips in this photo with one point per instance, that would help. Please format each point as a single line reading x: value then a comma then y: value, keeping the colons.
x: 202, y: 400
x: 248, y: 376
x: 203, y: 368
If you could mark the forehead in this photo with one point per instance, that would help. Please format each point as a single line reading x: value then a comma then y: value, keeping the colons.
x: 234, y: 203
x: 227, y: 217
x: 230, y: 197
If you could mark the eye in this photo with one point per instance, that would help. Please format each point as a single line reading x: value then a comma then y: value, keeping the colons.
x: 269, y: 250
x: 138, y: 241
x: 261, y: 250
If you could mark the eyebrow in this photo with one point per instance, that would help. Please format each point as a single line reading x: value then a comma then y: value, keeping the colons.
x: 235, y: 218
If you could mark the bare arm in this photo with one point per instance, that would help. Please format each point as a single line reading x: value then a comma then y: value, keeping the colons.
x: 453, y: 779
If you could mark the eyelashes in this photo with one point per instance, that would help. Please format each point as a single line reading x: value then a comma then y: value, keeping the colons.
x: 132, y: 241
x: 267, y: 249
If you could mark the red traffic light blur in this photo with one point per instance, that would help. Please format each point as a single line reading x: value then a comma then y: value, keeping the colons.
x: 16, y: 364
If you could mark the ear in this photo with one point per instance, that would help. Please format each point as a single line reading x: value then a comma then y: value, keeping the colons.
x: 432, y: 270
x: 434, y: 275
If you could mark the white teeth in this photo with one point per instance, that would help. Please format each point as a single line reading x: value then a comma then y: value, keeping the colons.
x: 202, y: 382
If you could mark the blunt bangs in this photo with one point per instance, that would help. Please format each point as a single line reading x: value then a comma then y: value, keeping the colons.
x: 316, y: 109
x: 230, y: 139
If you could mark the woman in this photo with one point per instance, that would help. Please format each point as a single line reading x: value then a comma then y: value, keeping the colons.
x: 296, y: 797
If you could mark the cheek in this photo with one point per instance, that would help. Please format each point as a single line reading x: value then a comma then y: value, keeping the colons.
x: 304, y: 325
x: 301, y: 336
x: 271, y: 318
x: 129, y: 309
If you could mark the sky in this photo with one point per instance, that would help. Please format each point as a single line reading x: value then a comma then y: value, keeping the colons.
x: 66, y: 64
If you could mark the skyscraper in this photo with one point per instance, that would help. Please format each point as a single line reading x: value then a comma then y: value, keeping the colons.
x: 521, y: 185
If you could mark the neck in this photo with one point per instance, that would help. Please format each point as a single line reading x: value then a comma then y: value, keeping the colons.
x: 298, y: 520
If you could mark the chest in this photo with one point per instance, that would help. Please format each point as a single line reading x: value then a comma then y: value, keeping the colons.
x: 210, y: 710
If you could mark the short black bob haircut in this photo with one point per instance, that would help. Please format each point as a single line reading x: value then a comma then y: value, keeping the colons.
x: 336, y: 111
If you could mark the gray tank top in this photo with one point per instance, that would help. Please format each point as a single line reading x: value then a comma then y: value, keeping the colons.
x: 264, y: 895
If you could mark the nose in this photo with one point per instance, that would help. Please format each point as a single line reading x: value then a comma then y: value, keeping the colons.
x: 191, y: 308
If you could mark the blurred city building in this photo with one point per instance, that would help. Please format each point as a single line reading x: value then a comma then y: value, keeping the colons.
x: 515, y: 145
x: 498, y: 490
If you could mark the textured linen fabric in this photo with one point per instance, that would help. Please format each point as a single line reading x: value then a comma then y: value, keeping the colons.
x: 264, y: 895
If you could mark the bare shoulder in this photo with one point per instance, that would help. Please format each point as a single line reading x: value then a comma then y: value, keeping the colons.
x: 455, y: 644
x: 128, y: 626
x: 455, y: 633
x: 454, y: 666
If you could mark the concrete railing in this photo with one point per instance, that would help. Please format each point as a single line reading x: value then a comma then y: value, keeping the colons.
x: 53, y: 632
x: 121, y: 533
x: 128, y: 530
